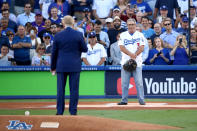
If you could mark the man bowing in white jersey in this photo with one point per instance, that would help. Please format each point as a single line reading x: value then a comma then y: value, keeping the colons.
x: 131, y: 45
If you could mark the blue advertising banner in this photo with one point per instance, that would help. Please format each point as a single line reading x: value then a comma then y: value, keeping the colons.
x: 157, y: 84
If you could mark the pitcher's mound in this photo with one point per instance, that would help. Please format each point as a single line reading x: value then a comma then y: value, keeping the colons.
x: 76, y: 123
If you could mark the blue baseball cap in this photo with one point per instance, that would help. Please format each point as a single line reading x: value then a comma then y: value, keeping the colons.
x: 46, y: 34
x: 86, y: 10
x: 116, y: 8
x: 92, y: 34
x: 163, y: 7
x: 185, y: 19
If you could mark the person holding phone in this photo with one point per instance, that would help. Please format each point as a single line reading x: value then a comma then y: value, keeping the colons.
x: 158, y: 55
x: 180, y: 51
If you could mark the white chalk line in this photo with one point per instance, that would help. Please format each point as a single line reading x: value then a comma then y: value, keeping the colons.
x: 148, y: 105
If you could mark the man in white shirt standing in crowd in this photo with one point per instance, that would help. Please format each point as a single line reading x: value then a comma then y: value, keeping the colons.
x: 96, y: 54
x: 131, y: 45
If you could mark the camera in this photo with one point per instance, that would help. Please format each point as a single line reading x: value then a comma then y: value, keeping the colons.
x: 42, y: 57
x: 11, y: 59
x: 158, y: 53
x: 180, y: 40
x: 98, y: 37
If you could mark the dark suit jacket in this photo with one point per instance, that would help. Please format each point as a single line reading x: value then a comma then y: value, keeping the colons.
x: 66, y: 52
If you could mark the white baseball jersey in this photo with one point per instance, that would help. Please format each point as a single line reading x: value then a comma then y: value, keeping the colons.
x: 131, y: 42
x: 94, y: 54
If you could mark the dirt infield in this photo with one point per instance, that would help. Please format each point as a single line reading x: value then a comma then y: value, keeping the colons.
x: 87, y: 123
x: 77, y: 123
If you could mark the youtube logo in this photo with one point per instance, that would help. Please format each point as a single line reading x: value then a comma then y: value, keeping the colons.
x: 132, y: 87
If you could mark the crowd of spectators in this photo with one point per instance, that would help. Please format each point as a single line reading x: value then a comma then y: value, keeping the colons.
x: 26, y: 35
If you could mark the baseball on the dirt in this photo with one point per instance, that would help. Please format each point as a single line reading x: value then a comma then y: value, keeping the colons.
x: 27, y: 113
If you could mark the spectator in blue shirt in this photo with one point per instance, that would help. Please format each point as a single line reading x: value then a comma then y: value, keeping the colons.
x: 21, y: 46
x: 62, y: 6
x: 143, y: 7
x: 54, y: 17
x: 180, y: 51
x: 158, y: 55
x: 147, y: 31
x: 3, y: 1
x: 184, y: 26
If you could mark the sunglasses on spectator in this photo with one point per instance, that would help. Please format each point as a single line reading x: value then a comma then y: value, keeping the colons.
x: 53, y: 26
x: 167, y: 24
x: 92, y: 37
x: 47, y: 37
x: 41, y: 48
x: 28, y: 7
x: 10, y: 35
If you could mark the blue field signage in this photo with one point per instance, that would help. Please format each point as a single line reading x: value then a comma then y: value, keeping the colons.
x: 17, y: 125
x: 157, y: 84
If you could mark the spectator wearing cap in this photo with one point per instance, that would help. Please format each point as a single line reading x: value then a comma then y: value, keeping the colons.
x: 163, y: 13
x: 142, y: 7
x: 44, y: 5
x: 86, y: 19
x: 21, y: 46
x: 3, y: 39
x: 108, y: 24
x: 96, y: 54
x: 184, y: 26
x: 102, y: 9
x: 171, y: 4
x: 47, y: 28
x: 11, y: 23
x: 27, y: 16
x: 116, y: 12
x: 39, y: 22
x: 112, y: 33
x: 54, y: 17
x: 47, y: 43
x: 79, y: 6
x: 63, y: 7
x: 11, y: 16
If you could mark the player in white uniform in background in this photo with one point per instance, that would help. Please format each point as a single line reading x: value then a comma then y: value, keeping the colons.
x: 131, y: 45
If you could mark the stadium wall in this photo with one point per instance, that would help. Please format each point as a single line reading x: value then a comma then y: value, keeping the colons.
x: 99, y: 82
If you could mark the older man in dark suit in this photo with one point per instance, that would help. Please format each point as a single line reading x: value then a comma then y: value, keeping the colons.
x: 66, y: 61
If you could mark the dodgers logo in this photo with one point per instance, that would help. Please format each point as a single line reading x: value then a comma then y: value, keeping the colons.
x: 17, y: 125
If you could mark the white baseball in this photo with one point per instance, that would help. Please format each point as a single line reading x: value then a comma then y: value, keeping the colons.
x: 27, y: 113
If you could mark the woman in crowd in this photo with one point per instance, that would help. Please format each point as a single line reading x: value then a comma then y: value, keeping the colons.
x: 193, y: 40
x: 41, y: 59
x: 158, y: 55
x: 180, y: 51
x: 35, y: 41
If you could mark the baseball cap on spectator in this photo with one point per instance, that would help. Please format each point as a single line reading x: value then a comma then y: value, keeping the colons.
x: 163, y: 7
x: 185, y: 19
x: 116, y: 8
x: 46, y: 35
x: 92, y: 35
x: 38, y: 13
x: 192, y: 6
x: 109, y: 20
x: 86, y: 10
x: 116, y: 18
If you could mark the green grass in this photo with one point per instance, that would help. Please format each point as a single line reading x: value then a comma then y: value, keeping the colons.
x: 186, y: 119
